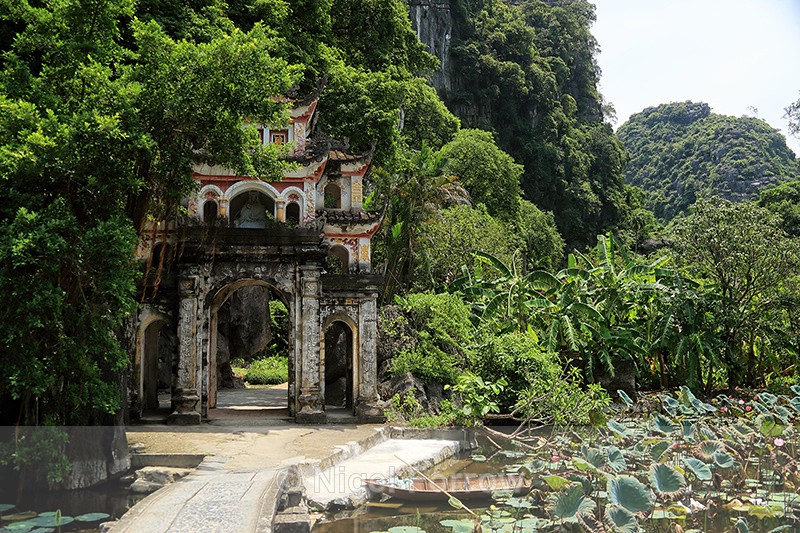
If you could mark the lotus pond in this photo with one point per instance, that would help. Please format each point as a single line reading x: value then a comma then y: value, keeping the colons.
x: 65, y: 511
x: 689, y: 466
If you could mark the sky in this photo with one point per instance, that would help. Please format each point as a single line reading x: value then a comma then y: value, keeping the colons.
x: 742, y: 57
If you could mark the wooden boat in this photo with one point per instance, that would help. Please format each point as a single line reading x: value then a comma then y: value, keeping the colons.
x: 467, y: 487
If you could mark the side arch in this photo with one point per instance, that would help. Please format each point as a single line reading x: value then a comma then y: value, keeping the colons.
x: 352, y: 364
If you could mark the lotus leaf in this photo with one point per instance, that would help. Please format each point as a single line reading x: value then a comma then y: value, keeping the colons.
x: 20, y: 527
x: 768, y: 398
x: 794, y: 403
x: 52, y: 520
x: 788, y: 499
x: 534, y: 465
x: 761, y: 408
x: 92, y: 517
x: 6, y: 507
x: 741, y: 526
x: 659, y: 450
x: 724, y: 460
x: 455, y: 503
x: 556, y: 482
x: 615, y: 459
x: 630, y: 493
x: 464, y: 525
x: 568, y: 505
x: 518, y: 503
x: 769, y: 427
x: 708, y: 448
x: 783, y: 413
x: 531, y: 524
x: 406, y: 529
x: 762, y: 511
x: 688, y: 429
x: 700, y: 469
x: 795, y: 389
x: 625, y: 398
x: 478, y: 458
x: 621, y: 519
x: 27, y: 515
x: 594, y: 457
x: 787, y: 527
x: 666, y: 480
x: 685, y: 396
x: 513, y: 454
x: 664, y: 425
x: 42, y: 530
x: 618, y: 428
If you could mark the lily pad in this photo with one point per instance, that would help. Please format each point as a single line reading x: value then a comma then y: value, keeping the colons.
x: 459, y: 526
x: 92, y: 517
x: 615, y: 459
x: 556, y: 482
x: 625, y: 398
x: 621, y: 519
x: 700, y: 469
x: 664, y: 425
x: 6, y: 507
x: 569, y: 505
x: 630, y: 493
x: 666, y: 480
x: 618, y: 428
x: 406, y: 529
x: 724, y: 460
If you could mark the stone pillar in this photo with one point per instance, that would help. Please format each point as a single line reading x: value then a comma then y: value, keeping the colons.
x: 310, y: 400
x: 186, y: 395
x: 367, y: 406
x: 280, y: 210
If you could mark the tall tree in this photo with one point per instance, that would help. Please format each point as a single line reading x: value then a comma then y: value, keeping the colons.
x: 749, y: 266
x: 102, y: 118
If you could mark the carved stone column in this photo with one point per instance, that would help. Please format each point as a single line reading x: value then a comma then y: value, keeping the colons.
x: 367, y: 406
x: 185, y: 396
x: 310, y: 400
x: 280, y: 210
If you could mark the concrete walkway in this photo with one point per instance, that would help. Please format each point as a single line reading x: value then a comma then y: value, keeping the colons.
x: 237, y: 486
x: 341, y: 485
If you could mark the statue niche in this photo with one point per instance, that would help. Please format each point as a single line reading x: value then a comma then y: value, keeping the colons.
x: 253, y: 210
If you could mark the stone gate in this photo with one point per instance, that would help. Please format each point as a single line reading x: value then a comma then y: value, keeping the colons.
x: 306, y: 237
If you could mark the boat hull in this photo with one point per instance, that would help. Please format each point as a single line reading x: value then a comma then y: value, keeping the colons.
x: 463, y: 488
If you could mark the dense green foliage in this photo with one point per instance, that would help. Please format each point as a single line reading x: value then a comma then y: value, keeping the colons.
x: 490, y: 175
x: 784, y: 200
x: 102, y: 117
x: 681, y: 152
x: 526, y: 71
x: 751, y: 268
x: 268, y: 371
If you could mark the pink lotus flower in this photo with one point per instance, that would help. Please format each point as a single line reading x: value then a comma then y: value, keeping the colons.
x: 748, y: 408
x: 779, y: 441
x: 755, y: 397
x: 555, y: 458
x: 722, y: 409
x: 741, y: 402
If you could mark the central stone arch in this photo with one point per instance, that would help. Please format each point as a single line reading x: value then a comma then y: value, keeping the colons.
x: 216, y: 299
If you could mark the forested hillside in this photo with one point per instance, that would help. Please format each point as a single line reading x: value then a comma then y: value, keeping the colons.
x: 527, y: 72
x: 682, y: 151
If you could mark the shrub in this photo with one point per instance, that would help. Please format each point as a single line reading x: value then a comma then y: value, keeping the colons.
x: 443, y: 340
x: 517, y: 358
x: 269, y: 371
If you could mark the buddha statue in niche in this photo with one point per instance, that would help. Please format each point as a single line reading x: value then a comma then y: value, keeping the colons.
x: 253, y: 214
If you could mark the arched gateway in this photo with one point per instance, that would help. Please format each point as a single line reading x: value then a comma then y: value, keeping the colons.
x: 252, y: 239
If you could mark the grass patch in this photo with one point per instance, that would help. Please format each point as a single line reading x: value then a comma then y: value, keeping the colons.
x: 268, y: 371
